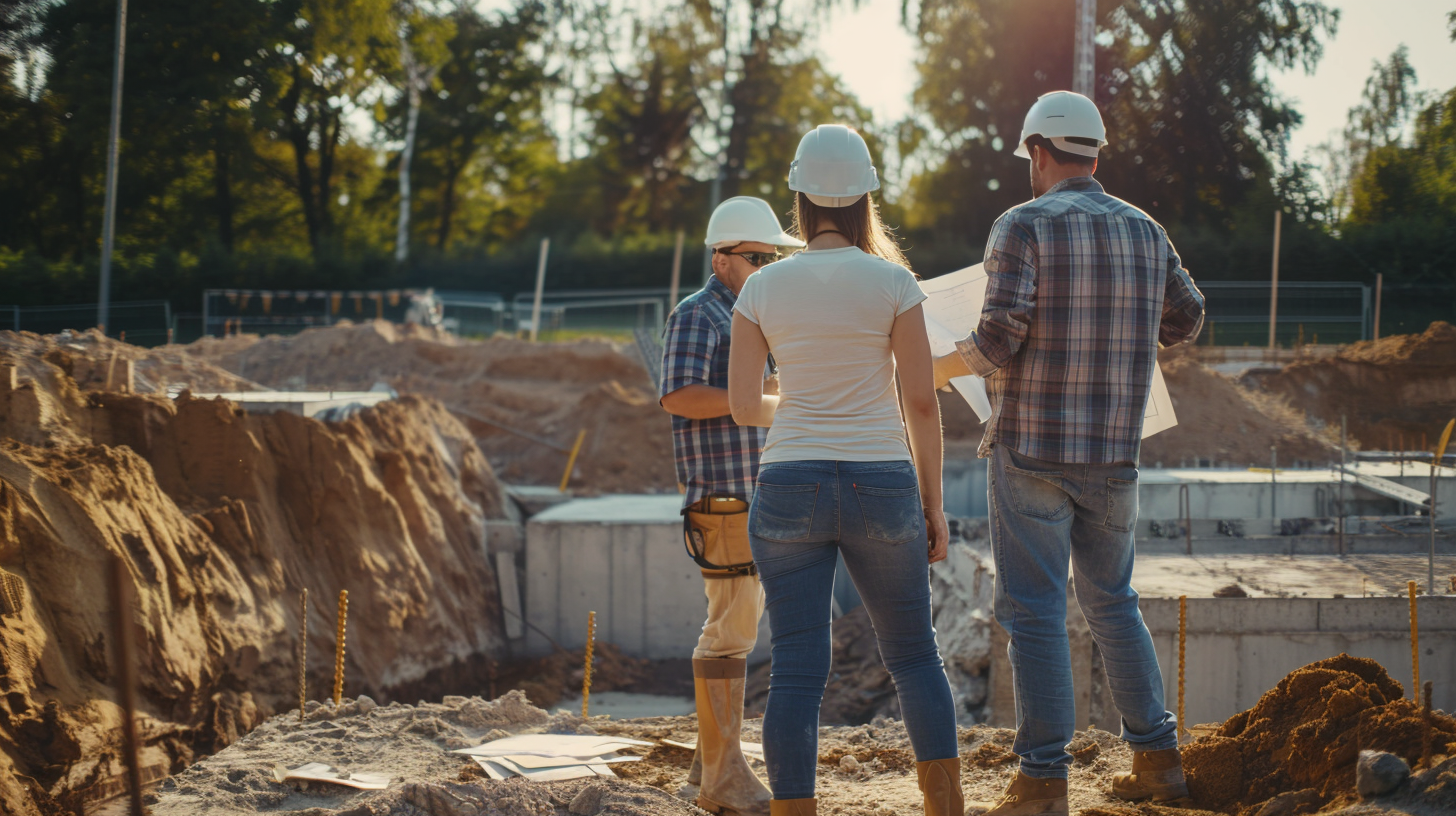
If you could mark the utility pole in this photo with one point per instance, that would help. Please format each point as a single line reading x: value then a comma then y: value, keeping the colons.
x: 1274, y: 285
x: 1084, y: 61
x: 108, y: 221
x: 717, y: 194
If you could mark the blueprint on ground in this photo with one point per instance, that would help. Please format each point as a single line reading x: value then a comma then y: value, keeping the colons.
x: 953, y: 310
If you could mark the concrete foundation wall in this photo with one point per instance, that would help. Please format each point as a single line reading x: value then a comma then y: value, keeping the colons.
x: 1239, y: 648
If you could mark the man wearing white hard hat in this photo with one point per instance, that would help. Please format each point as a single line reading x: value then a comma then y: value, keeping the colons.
x: 717, y: 465
x: 1082, y: 289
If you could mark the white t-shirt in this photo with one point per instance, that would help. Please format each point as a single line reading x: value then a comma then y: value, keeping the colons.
x: 827, y: 316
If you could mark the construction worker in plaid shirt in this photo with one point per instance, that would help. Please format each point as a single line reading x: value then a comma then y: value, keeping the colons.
x: 1082, y: 287
x: 717, y: 465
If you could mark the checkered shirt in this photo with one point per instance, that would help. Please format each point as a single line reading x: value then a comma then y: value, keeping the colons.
x: 714, y: 456
x: 1082, y: 288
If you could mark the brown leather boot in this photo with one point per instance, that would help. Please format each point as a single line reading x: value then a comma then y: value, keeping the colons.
x: 1156, y: 775
x: 794, y: 807
x: 695, y: 771
x: 1027, y: 796
x: 729, y: 786
x: 940, y: 784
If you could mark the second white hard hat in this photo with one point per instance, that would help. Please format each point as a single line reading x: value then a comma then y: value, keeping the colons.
x: 1062, y: 114
x: 832, y: 166
x: 745, y: 218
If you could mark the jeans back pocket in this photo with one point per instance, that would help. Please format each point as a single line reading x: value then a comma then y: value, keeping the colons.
x: 1036, y: 493
x: 1122, y: 504
x: 891, y: 514
x: 782, y: 513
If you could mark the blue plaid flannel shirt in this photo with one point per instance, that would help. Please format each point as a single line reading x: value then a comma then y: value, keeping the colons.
x: 1082, y: 287
x: 713, y: 455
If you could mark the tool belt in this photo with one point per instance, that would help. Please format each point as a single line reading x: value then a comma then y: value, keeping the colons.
x: 715, y: 533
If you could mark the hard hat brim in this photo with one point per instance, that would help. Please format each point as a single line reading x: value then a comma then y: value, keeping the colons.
x: 783, y: 239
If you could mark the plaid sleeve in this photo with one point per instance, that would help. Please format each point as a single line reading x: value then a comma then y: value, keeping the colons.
x: 1182, y: 304
x: 1010, y: 299
x: 688, y: 349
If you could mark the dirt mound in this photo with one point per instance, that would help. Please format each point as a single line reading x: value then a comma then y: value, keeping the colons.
x: 1305, y: 735
x: 1388, y: 389
x: 1218, y: 420
x: 221, y: 517
x: 512, y: 395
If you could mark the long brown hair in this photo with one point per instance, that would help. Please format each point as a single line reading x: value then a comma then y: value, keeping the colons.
x: 859, y: 223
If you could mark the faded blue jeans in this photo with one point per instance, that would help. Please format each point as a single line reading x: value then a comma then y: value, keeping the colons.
x: 1043, y: 515
x: 804, y: 515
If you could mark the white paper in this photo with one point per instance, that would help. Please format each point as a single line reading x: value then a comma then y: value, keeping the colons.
x: 550, y: 774
x: 532, y: 761
x: 753, y: 749
x: 553, y: 745
x: 319, y: 772
x: 953, y: 310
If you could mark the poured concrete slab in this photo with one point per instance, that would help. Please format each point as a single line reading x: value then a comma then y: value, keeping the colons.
x: 303, y: 403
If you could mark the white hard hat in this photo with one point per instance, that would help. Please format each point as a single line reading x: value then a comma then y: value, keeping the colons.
x: 832, y: 166
x: 1061, y: 114
x: 745, y: 218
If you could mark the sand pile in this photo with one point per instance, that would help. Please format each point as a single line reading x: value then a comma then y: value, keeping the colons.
x: 221, y: 518
x: 1394, y: 386
x: 547, y: 390
x: 1305, y: 735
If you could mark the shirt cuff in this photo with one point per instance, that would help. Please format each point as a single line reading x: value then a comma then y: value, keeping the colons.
x: 974, y: 359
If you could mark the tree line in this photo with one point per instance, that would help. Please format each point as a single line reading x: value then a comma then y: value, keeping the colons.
x: 367, y: 143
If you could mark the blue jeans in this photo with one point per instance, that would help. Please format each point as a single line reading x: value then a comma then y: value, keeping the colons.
x: 804, y: 515
x: 1044, y: 514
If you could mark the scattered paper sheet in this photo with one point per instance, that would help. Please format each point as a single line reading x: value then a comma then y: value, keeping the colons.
x: 319, y: 772
x: 953, y: 310
x: 753, y: 749
x: 551, y: 757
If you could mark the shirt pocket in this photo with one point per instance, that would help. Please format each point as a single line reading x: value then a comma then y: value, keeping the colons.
x: 782, y: 513
x: 892, y: 515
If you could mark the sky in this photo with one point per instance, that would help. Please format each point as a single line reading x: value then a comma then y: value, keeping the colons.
x: 1369, y: 30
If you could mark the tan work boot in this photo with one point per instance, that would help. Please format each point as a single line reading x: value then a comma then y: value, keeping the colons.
x: 794, y: 807
x: 1156, y: 775
x: 695, y: 771
x: 1027, y: 796
x: 940, y: 784
x: 729, y: 785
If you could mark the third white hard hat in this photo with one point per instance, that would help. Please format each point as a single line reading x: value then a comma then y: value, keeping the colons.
x: 832, y: 166
x: 744, y: 218
x: 1061, y: 114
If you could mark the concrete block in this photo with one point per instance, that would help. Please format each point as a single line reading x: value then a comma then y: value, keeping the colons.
x: 510, y: 595
x: 1215, y: 615
x: 543, y: 584
x: 627, y: 627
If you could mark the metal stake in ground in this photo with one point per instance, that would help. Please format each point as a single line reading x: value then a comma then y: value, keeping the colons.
x: 1182, y: 651
x: 1437, y: 457
x: 586, y: 677
x: 302, y: 651
x: 339, y: 649
x: 124, y: 647
x: 1410, y: 587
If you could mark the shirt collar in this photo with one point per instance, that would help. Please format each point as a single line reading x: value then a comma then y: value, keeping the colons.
x: 1078, y: 184
x: 721, y: 291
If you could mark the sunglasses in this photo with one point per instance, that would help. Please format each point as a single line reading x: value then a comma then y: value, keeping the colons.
x: 754, y: 258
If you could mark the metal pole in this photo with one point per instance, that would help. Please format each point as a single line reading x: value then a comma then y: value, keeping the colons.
x: 1431, y: 556
x: 1274, y: 485
x: 540, y: 287
x: 676, y: 273
x: 1379, y: 284
x: 1274, y: 286
x: 1340, y: 505
x: 717, y: 193
x: 1084, y: 60
x: 108, y: 220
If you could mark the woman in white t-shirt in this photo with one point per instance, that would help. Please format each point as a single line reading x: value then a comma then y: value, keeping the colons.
x: 842, y: 320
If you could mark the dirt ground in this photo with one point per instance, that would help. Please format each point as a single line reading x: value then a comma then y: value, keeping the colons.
x: 1292, y: 753
x: 550, y: 391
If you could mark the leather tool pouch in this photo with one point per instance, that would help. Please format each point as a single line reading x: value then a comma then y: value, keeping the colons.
x: 717, y: 541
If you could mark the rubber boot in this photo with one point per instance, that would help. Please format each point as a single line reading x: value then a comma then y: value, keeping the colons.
x: 1027, y: 796
x: 729, y: 786
x: 940, y: 785
x: 794, y: 807
x: 1156, y: 775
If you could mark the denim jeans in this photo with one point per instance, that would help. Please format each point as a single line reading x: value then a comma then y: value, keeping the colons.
x: 1044, y: 514
x: 804, y: 515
